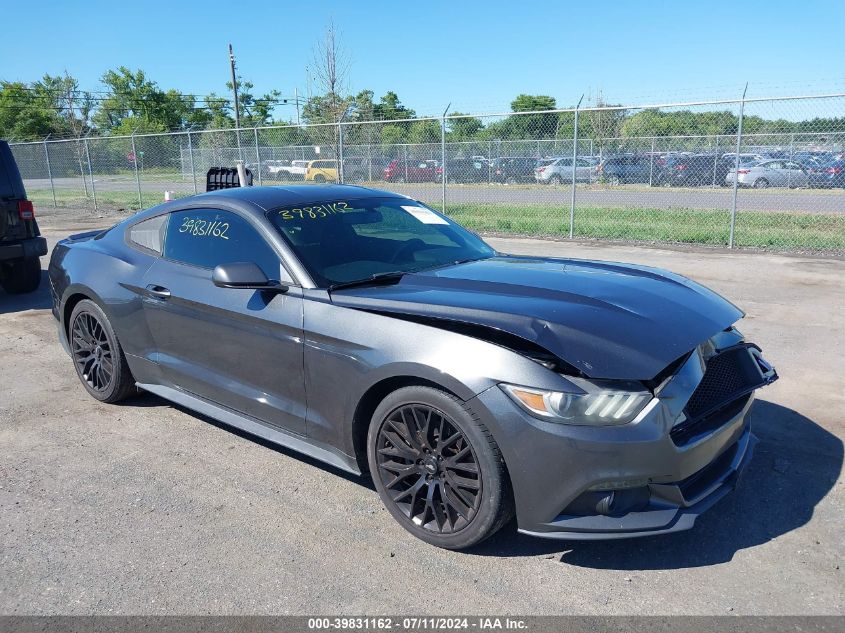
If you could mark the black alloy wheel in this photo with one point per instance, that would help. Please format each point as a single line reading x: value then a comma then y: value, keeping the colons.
x: 437, y: 467
x: 429, y: 468
x: 92, y: 352
x: 97, y: 355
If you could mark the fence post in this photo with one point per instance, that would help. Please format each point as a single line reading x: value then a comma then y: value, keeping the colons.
x: 651, y: 165
x: 715, y: 161
x: 736, y: 167
x: 443, y: 174
x: 137, y: 177
x: 50, y: 171
x: 81, y: 168
x: 340, y: 151
x: 257, y: 155
x: 574, y: 165
x: 405, y: 149
x: 91, y: 173
x: 791, y: 157
x: 191, y: 158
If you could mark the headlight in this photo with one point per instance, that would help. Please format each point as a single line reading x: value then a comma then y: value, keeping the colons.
x: 601, y: 405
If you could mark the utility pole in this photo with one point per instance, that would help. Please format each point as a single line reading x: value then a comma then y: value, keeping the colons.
x: 237, y: 105
x: 296, y: 99
x: 234, y: 87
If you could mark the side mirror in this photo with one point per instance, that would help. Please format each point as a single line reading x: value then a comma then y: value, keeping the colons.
x: 246, y: 275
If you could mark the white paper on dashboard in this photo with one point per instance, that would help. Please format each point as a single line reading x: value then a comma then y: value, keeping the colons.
x: 426, y: 216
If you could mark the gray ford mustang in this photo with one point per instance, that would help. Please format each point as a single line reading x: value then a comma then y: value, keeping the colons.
x: 592, y: 400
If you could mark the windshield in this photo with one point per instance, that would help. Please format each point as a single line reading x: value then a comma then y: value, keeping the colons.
x: 350, y: 240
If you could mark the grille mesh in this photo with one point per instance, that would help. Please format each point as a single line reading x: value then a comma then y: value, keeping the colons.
x: 727, y: 375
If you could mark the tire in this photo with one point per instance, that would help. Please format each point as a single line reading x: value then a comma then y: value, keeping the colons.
x: 555, y: 181
x: 319, y: 179
x: 614, y: 181
x: 510, y: 180
x: 97, y: 355
x: 761, y: 183
x: 419, y: 487
x: 21, y: 275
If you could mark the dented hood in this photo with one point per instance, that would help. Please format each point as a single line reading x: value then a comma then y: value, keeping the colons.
x: 616, y: 321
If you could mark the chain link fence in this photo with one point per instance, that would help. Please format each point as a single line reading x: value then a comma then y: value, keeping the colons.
x: 766, y: 173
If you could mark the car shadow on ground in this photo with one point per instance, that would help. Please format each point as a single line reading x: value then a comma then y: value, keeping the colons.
x: 38, y: 300
x: 795, y: 465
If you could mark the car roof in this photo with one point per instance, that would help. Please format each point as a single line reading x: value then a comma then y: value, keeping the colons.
x: 258, y: 200
x: 279, y: 196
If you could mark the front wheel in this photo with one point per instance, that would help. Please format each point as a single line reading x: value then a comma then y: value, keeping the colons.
x: 21, y: 275
x: 97, y: 354
x: 437, y: 469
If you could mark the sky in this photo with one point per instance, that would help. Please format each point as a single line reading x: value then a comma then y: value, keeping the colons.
x: 476, y: 55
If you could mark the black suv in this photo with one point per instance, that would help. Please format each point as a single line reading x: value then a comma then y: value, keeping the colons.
x: 21, y: 243
x: 685, y: 170
x: 512, y: 170
x: 618, y: 170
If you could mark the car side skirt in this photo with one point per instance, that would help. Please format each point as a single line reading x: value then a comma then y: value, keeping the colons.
x: 254, y: 427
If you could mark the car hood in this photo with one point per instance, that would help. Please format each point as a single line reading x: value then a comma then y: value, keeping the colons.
x: 608, y: 320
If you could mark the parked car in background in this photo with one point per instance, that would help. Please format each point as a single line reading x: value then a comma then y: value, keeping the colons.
x: 272, y: 168
x: 294, y: 171
x: 828, y: 175
x: 464, y: 170
x: 628, y: 168
x: 21, y: 243
x: 770, y: 173
x: 559, y: 170
x: 411, y: 171
x: 746, y: 157
x: 513, y: 169
x: 319, y: 171
x: 361, y: 169
x: 686, y: 170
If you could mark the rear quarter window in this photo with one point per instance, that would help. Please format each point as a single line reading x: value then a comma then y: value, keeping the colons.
x: 149, y: 234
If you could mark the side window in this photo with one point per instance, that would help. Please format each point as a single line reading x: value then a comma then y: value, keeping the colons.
x: 149, y: 234
x: 207, y: 238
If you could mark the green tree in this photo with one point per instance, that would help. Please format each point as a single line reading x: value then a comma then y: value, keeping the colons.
x: 136, y: 102
x: 462, y: 127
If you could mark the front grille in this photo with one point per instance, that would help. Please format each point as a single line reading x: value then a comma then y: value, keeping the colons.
x: 729, y: 378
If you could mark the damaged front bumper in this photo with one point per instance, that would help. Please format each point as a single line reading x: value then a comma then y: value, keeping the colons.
x: 654, y: 475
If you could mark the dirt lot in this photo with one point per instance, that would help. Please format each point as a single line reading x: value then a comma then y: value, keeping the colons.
x: 147, y: 508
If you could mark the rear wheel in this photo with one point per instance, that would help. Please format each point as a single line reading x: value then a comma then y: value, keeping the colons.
x: 555, y: 181
x: 97, y: 354
x: 437, y: 469
x: 319, y: 179
x: 614, y: 180
x: 21, y: 275
x: 761, y: 183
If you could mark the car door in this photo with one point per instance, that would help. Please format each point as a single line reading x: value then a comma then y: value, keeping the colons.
x: 797, y: 175
x: 774, y: 172
x: 239, y: 348
x: 583, y: 170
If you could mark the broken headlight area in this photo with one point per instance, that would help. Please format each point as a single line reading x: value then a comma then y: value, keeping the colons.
x: 600, y: 403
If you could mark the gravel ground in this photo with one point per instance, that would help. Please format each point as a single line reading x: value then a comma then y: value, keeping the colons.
x: 146, y: 508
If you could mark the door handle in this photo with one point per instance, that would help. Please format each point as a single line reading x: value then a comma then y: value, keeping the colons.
x: 159, y: 292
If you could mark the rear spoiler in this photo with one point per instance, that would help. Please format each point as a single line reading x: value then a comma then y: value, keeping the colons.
x: 225, y: 178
